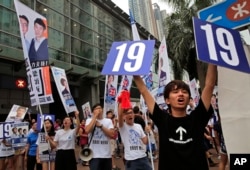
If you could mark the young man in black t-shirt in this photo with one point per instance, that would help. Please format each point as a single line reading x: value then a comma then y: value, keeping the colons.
x: 181, y: 136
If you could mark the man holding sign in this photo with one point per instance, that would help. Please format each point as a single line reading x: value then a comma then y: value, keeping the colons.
x: 181, y: 135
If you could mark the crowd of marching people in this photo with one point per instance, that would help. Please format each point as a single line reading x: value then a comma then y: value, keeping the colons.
x: 63, y: 149
x: 186, y: 133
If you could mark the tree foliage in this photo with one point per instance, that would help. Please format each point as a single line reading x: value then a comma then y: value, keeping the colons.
x: 178, y: 29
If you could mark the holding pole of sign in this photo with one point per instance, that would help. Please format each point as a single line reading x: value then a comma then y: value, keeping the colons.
x: 45, y: 130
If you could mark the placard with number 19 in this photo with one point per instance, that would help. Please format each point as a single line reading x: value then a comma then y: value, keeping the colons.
x: 5, y: 128
x: 219, y: 45
x: 129, y: 58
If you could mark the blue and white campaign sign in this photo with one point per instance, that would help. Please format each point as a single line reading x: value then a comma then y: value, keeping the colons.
x: 41, y: 118
x: 229, y: 13
x: 129, y: 58
x: 220, y: 46
x: 19, y: 134
x: 5, y: 128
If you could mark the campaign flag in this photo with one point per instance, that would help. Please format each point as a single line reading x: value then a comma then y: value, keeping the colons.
x: 45, y: 152
x: 86, y: 110
x: 110, y: 93
x: 163, y: 71
x: 19, y: 134
x: 16, y: 113
x: 194, y: 91
x: 34, y: 37
x: 40, y: 120
x: 63, y: 89
x: 148, y: 80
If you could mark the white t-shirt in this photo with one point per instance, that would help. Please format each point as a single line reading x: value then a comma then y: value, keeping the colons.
x: 65, y: 139
x: 131, y: 138
x: 4, y: 150
x: 100, y: 144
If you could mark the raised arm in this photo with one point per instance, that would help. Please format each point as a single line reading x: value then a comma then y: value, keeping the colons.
x: 210, y: 81
x: 120, y: 116
x: 145, y: 93
x: 90, y: 126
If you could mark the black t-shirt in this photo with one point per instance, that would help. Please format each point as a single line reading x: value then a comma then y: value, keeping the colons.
x: 181, y: 140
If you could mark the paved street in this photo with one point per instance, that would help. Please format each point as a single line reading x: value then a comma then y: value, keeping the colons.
x: 120, y: 164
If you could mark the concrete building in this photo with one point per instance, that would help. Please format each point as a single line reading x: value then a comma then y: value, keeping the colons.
x: 144, y: 15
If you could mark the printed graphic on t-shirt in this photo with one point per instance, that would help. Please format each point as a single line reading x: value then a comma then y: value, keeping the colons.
x: 180, y: 132
x: 99, y: 138
x: 134, y: 140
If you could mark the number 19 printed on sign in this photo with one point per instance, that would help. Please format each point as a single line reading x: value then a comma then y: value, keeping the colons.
x: 220, y: 46
x: 129, y: 58
x: 5, y: 128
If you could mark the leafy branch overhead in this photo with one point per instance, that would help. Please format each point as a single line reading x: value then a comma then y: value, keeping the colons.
x: 178, y: 29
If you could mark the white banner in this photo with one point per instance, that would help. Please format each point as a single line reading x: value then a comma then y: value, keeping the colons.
x: 233, y: 101
x: 34, y: 36
x: 63, y: 89
x: 163, y: 71
x: 110, y: 93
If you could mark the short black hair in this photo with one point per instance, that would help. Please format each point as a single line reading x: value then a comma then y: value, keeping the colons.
x: 174, y: 85
x: 96, y: 105
x: 24, y: 17
x: 40, y: 22
x: 109, y: 111
x: 136, y: 109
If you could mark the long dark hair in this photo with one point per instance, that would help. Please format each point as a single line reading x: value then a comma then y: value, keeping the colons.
x: 52, y: 130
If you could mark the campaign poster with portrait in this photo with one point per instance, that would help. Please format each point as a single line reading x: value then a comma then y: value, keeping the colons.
x: 34, y: 37
x: 19, y: 133
x: 194, y: 91
x: 63, y: 89
x: 148, y: 80
x: 16, y: 113
x: 110, y: 93
x: 86, y: 110
x: 45, y: 152
x: 163, y: 69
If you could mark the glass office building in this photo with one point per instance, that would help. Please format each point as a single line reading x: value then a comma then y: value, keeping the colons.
x: 81, y: 33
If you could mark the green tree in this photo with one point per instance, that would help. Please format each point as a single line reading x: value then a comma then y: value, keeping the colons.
x: 178, y: 29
